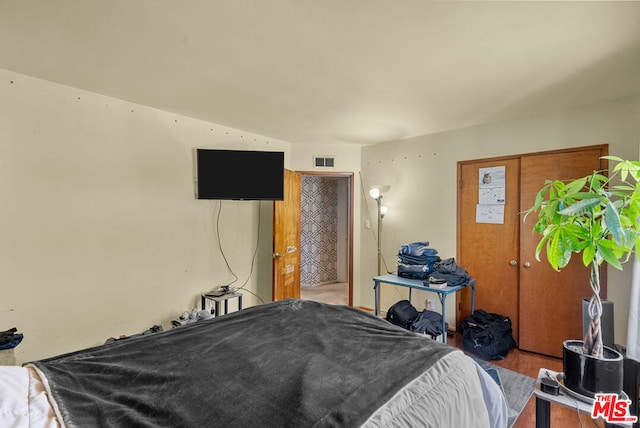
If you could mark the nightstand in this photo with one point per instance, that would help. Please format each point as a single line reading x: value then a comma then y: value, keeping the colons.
x: 224, y: 298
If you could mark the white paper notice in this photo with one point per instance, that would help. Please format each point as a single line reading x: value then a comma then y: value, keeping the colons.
x: 490, y: 213
x: 491, y: 185
x: 491, y: 195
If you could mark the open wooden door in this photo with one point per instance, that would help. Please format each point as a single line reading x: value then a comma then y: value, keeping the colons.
x: 286, y: 240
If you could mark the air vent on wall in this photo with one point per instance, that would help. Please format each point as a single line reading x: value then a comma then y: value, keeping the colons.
x: 323, y: 161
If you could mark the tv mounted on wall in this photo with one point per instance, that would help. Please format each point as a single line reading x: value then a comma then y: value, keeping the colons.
x: 239, y: 174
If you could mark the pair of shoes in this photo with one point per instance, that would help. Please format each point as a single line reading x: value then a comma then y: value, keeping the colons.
x: 153, y: 329
x: 191, y: 317
x: 183, y: 319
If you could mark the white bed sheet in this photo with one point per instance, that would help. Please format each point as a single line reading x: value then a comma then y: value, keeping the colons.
x: 454, y: 392
x: 23, y: 400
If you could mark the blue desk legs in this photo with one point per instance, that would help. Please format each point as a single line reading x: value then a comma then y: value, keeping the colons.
x: 443, y: 298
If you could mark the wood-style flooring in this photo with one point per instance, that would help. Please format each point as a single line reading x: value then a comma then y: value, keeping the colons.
x: 529, y: 364
x: 523, y: 362
x: 335, y: 293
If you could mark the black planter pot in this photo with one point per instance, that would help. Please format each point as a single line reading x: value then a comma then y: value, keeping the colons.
x: 588, y: 375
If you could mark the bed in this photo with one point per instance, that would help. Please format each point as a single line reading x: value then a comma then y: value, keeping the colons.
x: 290, y: 363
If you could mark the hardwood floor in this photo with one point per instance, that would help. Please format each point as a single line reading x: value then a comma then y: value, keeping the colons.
x: 523, y: 362
x: 528, y: 363
x: 335, y: 293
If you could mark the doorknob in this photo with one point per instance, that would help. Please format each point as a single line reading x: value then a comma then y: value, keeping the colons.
x: 277, y: 255
x: 513, y: 263
x: 527, y: 265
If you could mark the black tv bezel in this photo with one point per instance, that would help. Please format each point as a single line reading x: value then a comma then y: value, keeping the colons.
x: 247, y: 188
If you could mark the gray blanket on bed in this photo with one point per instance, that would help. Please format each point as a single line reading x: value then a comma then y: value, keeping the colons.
x: 291, y: 363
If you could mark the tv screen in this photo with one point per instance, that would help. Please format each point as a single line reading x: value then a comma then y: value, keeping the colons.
x: 240, y: 174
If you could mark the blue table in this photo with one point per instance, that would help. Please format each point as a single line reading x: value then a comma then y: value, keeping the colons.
x: 419, y: 285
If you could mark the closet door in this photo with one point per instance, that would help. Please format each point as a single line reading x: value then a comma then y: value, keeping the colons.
x: 489, y: 251
x: 550, y: 301
x: 545, y: 306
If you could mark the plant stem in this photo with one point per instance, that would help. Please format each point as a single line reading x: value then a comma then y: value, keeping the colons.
x: 593, y: 337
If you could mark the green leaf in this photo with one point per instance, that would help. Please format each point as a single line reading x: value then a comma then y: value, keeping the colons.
x: 612, y: 220
x: 561, y: 249
x: 576, y: 185
x: 581, y: 207
x: 588, y: 254
x: 608, y: 256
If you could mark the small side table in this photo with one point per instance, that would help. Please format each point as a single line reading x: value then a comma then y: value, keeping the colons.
x: 224, y: 298
x: 544, y: 400
x: 419, y: 285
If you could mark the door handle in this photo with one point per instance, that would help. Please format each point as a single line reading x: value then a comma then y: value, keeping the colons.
x: 513, y: 263
x: 277, y: 255
x: 527, y: 265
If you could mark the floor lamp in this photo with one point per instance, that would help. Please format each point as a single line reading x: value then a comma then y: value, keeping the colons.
x: 376, y: 193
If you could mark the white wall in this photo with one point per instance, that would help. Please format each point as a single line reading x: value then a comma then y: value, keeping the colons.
x: 100, y: 232
x: 422, y: 174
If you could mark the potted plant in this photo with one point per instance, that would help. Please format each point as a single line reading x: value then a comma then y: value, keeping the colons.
x: 596, y: 216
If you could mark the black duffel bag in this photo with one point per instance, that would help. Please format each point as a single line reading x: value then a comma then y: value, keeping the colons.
x: 486, y: 335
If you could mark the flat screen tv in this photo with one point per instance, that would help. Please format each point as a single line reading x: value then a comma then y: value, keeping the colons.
x: 239, y: 174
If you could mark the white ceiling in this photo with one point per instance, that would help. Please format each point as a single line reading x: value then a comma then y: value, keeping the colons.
x: 331, y: 71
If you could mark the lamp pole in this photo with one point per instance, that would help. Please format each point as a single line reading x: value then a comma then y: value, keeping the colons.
x: 379, y: 203
x: 376, y: 194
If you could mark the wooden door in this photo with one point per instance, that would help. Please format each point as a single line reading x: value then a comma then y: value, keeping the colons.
x: 286, y: 240
x: 545, y: 306
x: 551, y: 302
x: 489, y: 252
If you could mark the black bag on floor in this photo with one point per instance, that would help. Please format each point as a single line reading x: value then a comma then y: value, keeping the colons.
x: 402, y: 313
x: 487, y: 335
x: 429, y: 323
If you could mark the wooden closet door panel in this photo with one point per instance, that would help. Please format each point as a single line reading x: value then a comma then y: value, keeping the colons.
x: 550, y: 301
x: 487, y: 250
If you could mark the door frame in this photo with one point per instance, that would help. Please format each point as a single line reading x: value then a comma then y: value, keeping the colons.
x: 350, y: 221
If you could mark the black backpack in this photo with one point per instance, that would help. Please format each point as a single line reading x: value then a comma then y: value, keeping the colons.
x: 487, y: 335
x: 402, y: 313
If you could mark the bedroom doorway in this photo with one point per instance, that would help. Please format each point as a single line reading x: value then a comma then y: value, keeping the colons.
x: 328, y: 223
x: 326, y: 237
